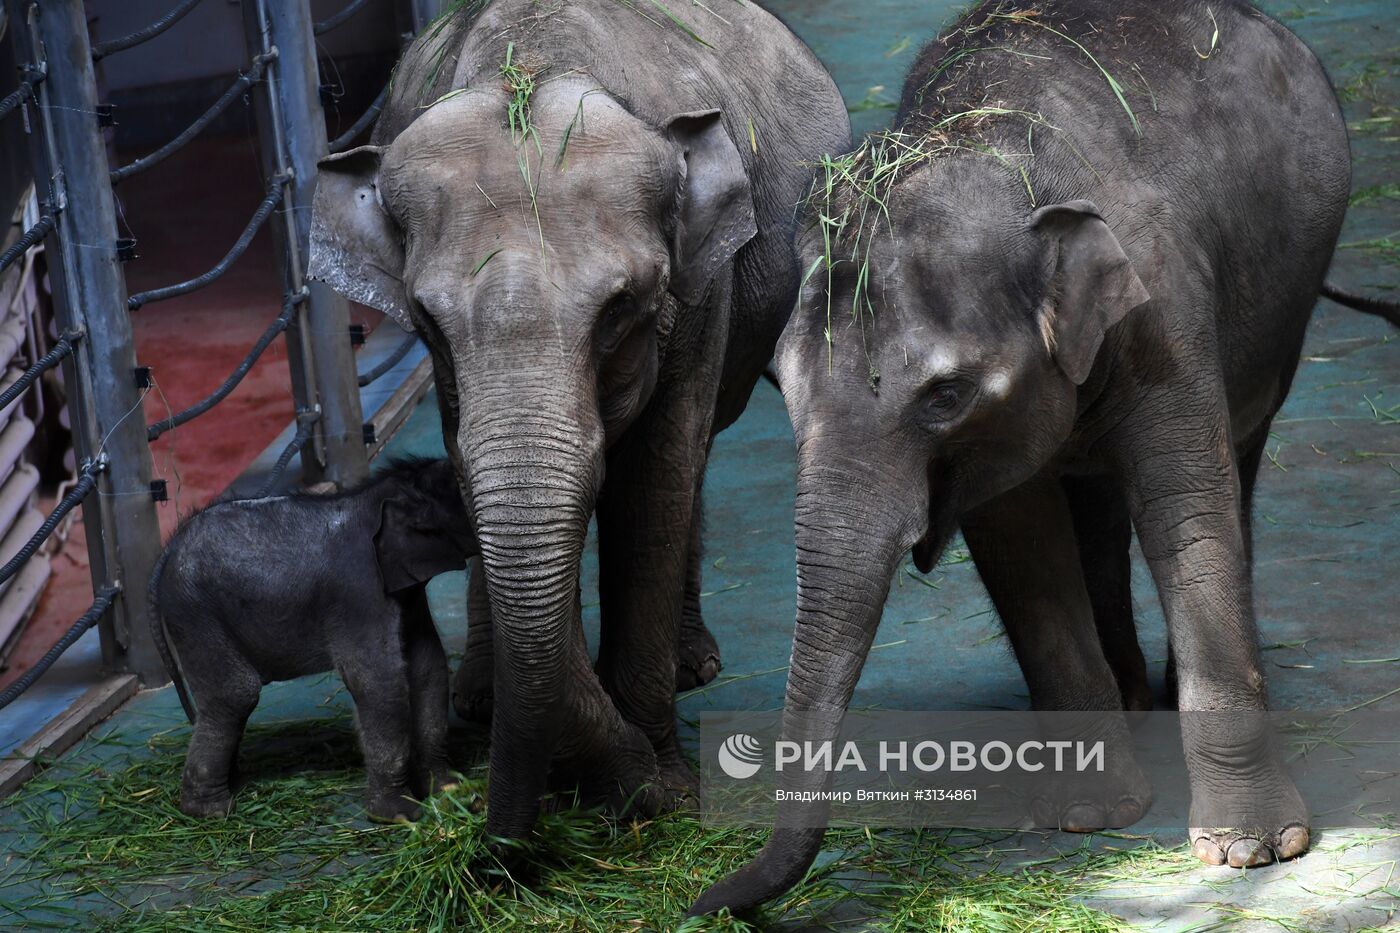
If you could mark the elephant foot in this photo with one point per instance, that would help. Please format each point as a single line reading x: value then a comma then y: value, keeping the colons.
x: 1092, y: 816
x: 1270, y: 824
x: 1248, y: 850
x: 206, y: 803
x: 434, y: 779
x: 624, y: 777
x: 698, y: 661
x: 1088, y: 803
x: 394, y: 807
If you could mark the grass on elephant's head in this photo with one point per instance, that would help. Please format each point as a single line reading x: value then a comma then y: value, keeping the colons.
x: 852, y: 193
x: 105, y: 846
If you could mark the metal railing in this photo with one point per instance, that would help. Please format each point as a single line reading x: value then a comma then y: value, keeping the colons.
x: 74, y: 184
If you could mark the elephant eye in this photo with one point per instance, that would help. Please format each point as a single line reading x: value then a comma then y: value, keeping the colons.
x: 944, y: 397
x: 618, y: 307
x: 944, y: 400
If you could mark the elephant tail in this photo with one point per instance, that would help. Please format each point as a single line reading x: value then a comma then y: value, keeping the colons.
x: 158, y: 634
x: 1390, y: 310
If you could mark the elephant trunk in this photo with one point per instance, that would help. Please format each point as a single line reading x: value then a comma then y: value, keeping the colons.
x: 852, y: 529
x: 533, y: 473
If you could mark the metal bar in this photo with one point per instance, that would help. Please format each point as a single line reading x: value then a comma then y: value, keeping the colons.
x: 48, y: 361
x: 240, y: 246
x: 390, y: 361
x: 292, y: 129
x: 338, y: 19
x: 25, y: 89
x: 218, y: 395
x: 77, y: 494
x: 424, y: 12
x: 240, y: 84
x: 86, y: 621
x: 344, y: 140
x: 89, y: 295
x: 34, y: 234
x: 103, y: 49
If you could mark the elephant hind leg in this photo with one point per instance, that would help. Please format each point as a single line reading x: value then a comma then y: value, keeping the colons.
x: 697, y: 662
x: 224, y: 699
x: 1103, y: 530
x: 473, y: 685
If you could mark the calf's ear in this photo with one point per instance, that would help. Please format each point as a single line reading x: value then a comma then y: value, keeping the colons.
x: 715, y: 216
x: 411, y: 547
x: 355, y: 247
x: 1093, y: 285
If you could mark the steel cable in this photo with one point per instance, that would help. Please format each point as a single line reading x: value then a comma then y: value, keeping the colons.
x: 77, y: 494
x: 338, y: 19
x: 235, y: 90
x: 264, y: 211
x: 282, y: 322
x: 42, y: 228
x: 103, y: 49
x: 88, y: 619
x: 15, y: 97
x: 48, y: 361
x: 304, y: 426
x: 344, y: 140
x: 390, y: 362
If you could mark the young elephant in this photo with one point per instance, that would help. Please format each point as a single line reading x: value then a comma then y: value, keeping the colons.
x: 257, y: 590
x: 1075, y: 314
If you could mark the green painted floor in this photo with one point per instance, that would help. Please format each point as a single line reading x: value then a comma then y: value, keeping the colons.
x: 1327, y: 532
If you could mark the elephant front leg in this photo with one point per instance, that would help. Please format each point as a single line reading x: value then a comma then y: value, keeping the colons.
x: 1185, y: 495
x: 645, y: 519
x: 473, y: 686
x: 1104, y: 531
x: 1023, y: 544
x: 608, y: 760
x: 427, y: 687
x: 376, y: 675
x: 698, y: 662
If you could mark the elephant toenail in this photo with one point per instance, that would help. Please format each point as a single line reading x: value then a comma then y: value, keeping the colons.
x: 1082, y: 818
x: 1294, y: 841
x: 1207, y: 851
x: 1247, y: 853
x: 1125, y: 813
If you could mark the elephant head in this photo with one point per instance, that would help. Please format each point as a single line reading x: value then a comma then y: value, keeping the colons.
x: 541, y: 243
x: 935, y: 359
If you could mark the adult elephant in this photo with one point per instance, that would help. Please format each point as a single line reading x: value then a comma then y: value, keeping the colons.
x: 585, y: 208
x: 1063, y: 300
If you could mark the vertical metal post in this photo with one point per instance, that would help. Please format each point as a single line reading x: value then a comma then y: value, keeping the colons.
x: 292, y: 134
x: 424, y: 12
x: 109, y: 425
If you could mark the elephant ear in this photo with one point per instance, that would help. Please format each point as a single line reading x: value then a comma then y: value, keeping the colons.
x: 1093, y: 286
x: 412, y: 546
x: 715, y: 216
x: 355, y: 248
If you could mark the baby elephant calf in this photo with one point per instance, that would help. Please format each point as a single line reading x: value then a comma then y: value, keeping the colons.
x: 259, y: 590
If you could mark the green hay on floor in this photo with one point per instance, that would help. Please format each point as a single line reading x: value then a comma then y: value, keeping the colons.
x: 296, y: 854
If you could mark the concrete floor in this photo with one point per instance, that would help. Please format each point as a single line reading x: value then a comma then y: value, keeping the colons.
x: 1327, y: 527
